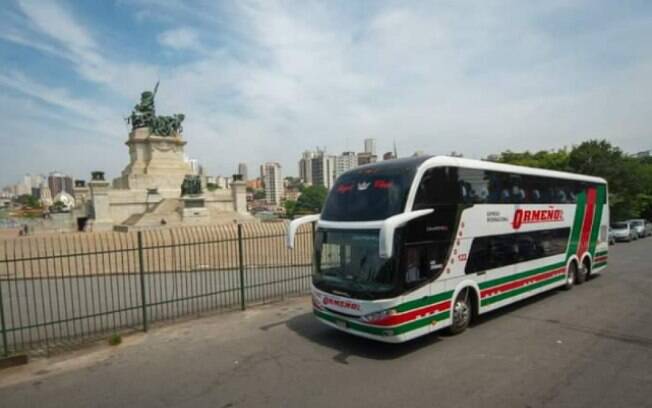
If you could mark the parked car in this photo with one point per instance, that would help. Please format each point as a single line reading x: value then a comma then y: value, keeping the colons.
x: 640, y: 227
x: 623, y: 231
x: 648, y: 228
x: 610, y: 237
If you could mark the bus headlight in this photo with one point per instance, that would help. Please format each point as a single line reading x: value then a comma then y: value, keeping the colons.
x: 378, y: 316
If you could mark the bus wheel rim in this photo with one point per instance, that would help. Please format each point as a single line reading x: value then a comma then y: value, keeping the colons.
x: 461, y: 313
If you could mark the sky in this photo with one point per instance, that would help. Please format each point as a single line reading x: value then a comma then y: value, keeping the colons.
x: 263, y: 80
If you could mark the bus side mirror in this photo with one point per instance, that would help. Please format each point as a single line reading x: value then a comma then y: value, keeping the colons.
x: 294, y: 226
x: 386, y: 238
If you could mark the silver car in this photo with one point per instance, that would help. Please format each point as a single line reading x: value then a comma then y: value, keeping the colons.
x: 640, y: 227
x: 623, y: 231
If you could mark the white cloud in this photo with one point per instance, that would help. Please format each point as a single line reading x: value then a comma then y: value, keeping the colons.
x: 179, y: 39
x: 268, y: 80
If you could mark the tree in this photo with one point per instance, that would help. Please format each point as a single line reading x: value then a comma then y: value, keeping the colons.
x: 311, y: 200
x: 28, y: 201
x: 290, y: 208
x: 259, y: 195
x: 630, y: 179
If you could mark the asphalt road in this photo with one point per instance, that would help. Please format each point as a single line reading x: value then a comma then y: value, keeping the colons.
x: 590, y: 347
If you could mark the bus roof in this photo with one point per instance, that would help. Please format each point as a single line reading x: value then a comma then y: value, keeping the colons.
x: 426, y: 162
x: 435, y: 161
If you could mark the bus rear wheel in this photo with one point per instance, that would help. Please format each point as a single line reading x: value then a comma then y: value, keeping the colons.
x: 582, y: 273
x: 462, y: 312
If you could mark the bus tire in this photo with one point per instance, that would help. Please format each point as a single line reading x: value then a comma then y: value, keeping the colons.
x: 582, y: 273
x: 571, y: 274
x: 462, y: 311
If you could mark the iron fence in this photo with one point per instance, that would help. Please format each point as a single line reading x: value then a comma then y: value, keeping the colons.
x: 69, y: 289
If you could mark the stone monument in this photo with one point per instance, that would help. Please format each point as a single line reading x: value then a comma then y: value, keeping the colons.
x: 155, y: 144
x: 156, y: 188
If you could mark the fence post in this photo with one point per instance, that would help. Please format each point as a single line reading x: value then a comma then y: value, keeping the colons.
x: 141, y: 265
x: 241, y: 263
x: 2, y: 324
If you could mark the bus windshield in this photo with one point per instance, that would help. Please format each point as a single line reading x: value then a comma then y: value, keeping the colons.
x: 347, y: 263
x: 368, y: 194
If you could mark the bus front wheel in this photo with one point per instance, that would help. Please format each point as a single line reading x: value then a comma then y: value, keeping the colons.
x: 462, y: 312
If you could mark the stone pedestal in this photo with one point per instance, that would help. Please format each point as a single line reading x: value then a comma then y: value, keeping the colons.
x: 154, y: 162
x: 102, y: 220
x: 193, y: 210
x: 239, y: 194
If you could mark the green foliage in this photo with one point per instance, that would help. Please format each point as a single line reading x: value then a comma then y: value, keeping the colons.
x: 311, y: 200
x: 58, y: 206
x: 630, y: 179
x: 115, y: 339
x: 290, y: 208
x: 552, y: 160
x: 28, y: 201
x: 212, y: 187
x: 259, y: 195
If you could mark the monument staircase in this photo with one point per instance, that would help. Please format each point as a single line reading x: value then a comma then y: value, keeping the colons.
x: 166, y: 210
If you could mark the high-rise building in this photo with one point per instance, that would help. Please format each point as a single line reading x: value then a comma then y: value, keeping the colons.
x: 366, y: 158
x: 345, y: 162
x: 273, y: 183
x: 59, y: 182
x: 195, y: 167
x: 305, y: 167
x: 242, y: 170
x: 323, y: 170
x: 389, y: 156
x: 370, y: 146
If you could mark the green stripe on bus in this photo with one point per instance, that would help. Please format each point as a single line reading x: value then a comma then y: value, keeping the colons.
x: 597, y: 220
x: 507, y: 279
x: 577, y: 224
x: 601, y: 253
x: 384, y: 331
x: 424, y: 301
x: 506, y: 295
x: 600, y: 265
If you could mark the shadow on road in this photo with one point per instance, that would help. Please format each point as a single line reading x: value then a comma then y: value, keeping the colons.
x: 346, y: 345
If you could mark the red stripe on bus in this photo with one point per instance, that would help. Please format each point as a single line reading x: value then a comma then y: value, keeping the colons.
x: 519, y: 283
x: 588, y: 221
x: 412, y: 314
x: 600, y: 259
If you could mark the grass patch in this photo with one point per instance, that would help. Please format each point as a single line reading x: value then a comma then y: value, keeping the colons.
x: 115, y: 339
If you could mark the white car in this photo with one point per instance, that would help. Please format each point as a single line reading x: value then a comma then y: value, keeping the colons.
x: 623, y: 231
x: 640, y: 227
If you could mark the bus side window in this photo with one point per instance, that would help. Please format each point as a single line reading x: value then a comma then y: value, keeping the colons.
x: 438, y: 185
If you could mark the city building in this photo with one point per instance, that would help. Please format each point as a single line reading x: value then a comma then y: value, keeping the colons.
x: 323, y: 169
x: 345, y: 162
x: 370, y: 146
x: 255, y: 184
x: 242, y: 170
x: 643, y: 154
x: 366, y: 158
x: 389, y: 156
x: 305, y: 167
x: 195, y: 168
x: 273, y: 183
x: 59, y: 182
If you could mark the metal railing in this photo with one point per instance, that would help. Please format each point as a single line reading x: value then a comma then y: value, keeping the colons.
x: 74, y: 288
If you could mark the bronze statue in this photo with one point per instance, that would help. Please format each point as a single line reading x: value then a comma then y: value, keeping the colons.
x: 191, y: 185
x: 144, y: 115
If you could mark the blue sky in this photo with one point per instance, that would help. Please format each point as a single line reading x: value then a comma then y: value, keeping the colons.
x: 264, y: 80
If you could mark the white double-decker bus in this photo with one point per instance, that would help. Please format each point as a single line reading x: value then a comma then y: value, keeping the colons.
x: 406, y: 247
